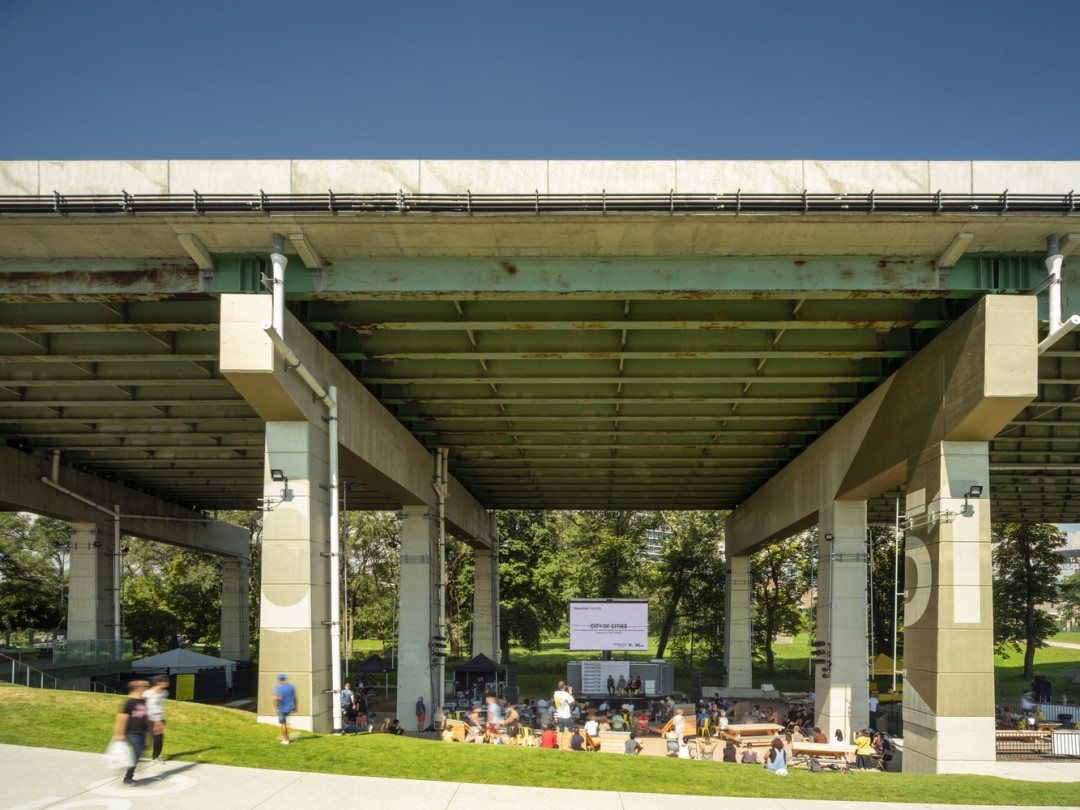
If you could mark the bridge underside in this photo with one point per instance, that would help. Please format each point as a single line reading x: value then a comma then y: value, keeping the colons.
x: 560, y: 363
x: 651, y: 348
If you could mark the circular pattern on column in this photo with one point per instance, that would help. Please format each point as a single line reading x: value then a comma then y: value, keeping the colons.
x: 916, y: 551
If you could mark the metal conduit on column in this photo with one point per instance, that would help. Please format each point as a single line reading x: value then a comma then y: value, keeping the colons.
x: 274, y: 329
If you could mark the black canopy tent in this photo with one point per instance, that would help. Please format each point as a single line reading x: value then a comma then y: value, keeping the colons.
x: 375, y: 663
x: 481, y: 667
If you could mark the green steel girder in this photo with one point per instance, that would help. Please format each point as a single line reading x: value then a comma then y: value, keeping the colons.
x: 626, y: 277
x: 559, y: 382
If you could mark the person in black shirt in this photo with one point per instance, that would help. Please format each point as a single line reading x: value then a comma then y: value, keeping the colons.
x: 577, y: 742
x: 132, y: 723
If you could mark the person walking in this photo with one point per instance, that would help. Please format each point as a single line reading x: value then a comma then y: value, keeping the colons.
x: 285, y: 703
x: 421, y: 710
x: 155, y: 708
x: 348, y: 704
x: 132, y: 724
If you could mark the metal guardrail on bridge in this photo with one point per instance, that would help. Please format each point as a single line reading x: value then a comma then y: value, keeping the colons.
x: 537, y: 203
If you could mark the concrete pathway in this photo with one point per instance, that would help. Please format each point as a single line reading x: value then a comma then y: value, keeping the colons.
x: 39, y: 778
x: 1064, y: 644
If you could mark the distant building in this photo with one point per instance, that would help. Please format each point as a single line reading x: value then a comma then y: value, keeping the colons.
x: 655, y: 540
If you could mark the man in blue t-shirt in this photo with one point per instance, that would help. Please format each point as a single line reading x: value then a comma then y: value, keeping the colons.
x: 285, y: 702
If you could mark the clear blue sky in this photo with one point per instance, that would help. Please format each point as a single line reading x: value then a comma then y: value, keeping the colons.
x: 553, y: 79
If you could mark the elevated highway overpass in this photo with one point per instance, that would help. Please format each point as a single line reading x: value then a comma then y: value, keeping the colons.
x: 571, y: 334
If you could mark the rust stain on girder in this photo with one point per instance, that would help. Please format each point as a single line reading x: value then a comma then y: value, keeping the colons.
x: 509, y: 268
x: 109, y: 279
x: 109, y: 297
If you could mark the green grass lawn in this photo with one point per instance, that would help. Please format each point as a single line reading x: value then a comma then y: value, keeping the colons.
x: 1069, y: 637
x: 83, y: 722
x: 1053, y: 662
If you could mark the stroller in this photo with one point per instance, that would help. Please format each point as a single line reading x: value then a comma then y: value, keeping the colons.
x: 884, y: 750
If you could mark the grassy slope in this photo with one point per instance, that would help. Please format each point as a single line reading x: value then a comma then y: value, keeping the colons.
x: 197, y: 733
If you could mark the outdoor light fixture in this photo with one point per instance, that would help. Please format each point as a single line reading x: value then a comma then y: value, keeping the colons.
x: 829, y: 537
x: 975, y: 491
x: 280, y: 477
x: 97, y: 544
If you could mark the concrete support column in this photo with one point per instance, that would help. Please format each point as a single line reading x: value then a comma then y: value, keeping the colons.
x: 842, y: 698
x: 235, y: 629
x: 90, y: 589
x: 737, y: 634
x: 948, y: 614
x: 294, y: 636
x: 416, y: 613
x: 485, y: 638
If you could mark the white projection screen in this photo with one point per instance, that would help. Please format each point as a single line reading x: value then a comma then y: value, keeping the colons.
x: 603, y: 624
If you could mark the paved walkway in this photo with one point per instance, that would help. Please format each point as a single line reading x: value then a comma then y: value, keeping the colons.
x: 1064, y: 644
x: 39, y: 778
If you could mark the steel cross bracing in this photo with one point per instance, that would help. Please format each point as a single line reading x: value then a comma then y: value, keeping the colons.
x: 576, y: 382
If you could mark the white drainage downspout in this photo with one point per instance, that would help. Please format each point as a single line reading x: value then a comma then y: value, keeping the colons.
x: 1058, y: 328
x: 441, y: 494
x: 275, y: 329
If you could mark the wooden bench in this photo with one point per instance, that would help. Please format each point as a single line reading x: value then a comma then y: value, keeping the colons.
x: 826, y: 751
x: 457, y: 729
x: 1021, y: 741
x: 689, y: 727
x: 751, y: 732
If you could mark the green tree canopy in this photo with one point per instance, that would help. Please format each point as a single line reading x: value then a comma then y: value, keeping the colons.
x: 1026, y: 567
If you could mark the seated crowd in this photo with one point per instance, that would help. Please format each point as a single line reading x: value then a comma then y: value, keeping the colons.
x: 533, y: 722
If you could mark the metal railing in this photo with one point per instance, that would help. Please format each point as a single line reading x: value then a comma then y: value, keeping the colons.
x: 91, y: 651
x: 96, y: 686
x: 17, y: 673
x: 603, y: 203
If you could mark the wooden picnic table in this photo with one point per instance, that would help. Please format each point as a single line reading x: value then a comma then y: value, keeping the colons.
x: 822, y: 750
x: 742, y: 731
x: 1047, y: 726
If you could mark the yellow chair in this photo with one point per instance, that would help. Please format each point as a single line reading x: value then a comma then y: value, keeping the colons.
x: 526, y: 736
x: 703, y: 727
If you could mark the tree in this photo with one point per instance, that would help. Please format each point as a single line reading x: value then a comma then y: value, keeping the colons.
x: 780, y: 575
x: 604, y: 548
x: 372, y: 541
x: 1069, y: 598
x: 32, y: 571
x: 171, y: 596
x: 531, y: 602
x: 1026, y: 567
x: 882, y: 572
x: 690, y: 569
